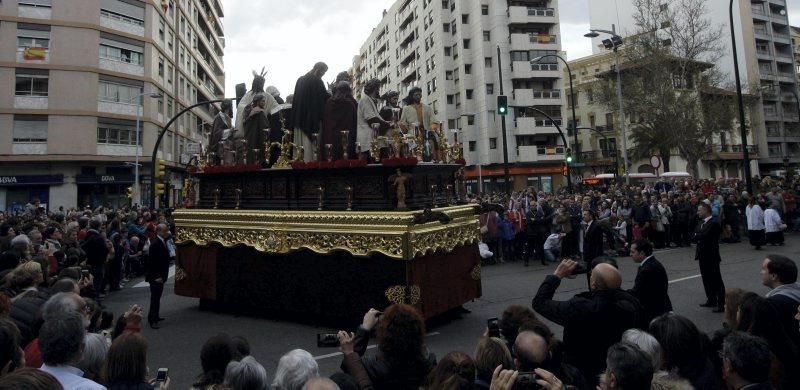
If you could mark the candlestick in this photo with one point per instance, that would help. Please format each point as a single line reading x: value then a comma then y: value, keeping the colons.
x: 375, y: 127
x: 358, y: 148
x: 349, y: 191
x: 321, y: 193
x: 329, y: 152
x: 315, y: 145
x: 255, y: 155
x: 345, y: 142
x: 238, y: 194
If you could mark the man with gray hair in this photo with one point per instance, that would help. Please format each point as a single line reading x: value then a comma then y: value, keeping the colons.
x: 61, y: 343
x: 321, y: 383
x: 246, y: 374
x: 628, y: 368
x: 294, y: 370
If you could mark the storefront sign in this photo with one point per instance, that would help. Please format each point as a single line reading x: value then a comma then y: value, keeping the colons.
x: 104, y: 179
x: 24, y: 180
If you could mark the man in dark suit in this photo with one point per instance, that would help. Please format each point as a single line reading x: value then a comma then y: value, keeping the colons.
x: 592, y: 238
x: 593, y: 320
x: 157, y: 272
x: 707, y: 253
x: 651, y: 284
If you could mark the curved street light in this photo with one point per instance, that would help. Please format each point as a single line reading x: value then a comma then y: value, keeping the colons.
x: 137, y: 197
x: 563, y: 139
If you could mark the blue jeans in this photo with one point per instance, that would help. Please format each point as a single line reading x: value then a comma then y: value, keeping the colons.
x: 552, y: 254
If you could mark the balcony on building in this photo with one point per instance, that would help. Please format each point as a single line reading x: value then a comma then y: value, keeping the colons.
x: 535, y: 153
x: 122, y: 16
x: 526, y: 70
x: 520, y: 14
x: 729, y: 152
x: 121, y: 55
x: 599, y: 157
x: 532, y: 97
x: 118, y: 96
x: 35, y: 9
x: 533, y: 41
x: 534, y: 126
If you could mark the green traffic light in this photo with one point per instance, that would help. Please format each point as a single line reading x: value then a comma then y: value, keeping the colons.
x: 569, y: 159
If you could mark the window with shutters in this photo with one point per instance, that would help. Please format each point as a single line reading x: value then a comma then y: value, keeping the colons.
x: 117, y: 132
x: 117, y: 51
x: 31, y: 82
x: 33, y: 36
x: 122, y: 11
x: 30, y: 128
x: 36, y: 3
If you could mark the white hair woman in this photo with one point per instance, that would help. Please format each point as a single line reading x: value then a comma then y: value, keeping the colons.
x: 295, y: 368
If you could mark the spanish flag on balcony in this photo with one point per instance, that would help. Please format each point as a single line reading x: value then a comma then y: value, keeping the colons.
x: 34, y: 54
x: 543, y: 38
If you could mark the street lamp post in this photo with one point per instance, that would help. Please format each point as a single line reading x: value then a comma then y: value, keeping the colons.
x: 615, y: 42
x: 572, y: 97
x: 748, y: 177
x: 137, y: 197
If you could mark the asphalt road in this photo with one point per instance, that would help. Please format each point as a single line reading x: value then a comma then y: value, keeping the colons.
x: 177, y: 344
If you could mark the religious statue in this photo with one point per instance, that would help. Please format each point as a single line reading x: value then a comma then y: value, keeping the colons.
x: 222, y: 124
x: 340, y: 115
x: 368, y: 114
x: 308, y: 106
x: 399, y: 180
x: 421, y: 114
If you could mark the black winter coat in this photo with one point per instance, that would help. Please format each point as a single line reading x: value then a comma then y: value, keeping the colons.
x: 25, y: 312
x: 592, y: 321
x: 95, y: 247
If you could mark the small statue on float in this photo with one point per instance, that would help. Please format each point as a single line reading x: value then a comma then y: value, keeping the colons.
x: 399, y: 181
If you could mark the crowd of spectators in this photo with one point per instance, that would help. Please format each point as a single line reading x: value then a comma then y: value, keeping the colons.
x: 534, y: 225
x: 56, y: 267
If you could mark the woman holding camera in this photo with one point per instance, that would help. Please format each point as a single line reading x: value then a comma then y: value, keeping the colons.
x: 402, y: 361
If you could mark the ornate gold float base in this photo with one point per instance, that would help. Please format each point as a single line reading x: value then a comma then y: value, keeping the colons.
x: 328, y: 264
x: 394, y: 234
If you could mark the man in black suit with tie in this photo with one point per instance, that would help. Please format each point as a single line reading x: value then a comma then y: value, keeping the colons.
x: 651, y: 284
x: 707, y: 253
x: 157, y: 272
x: 592, y: 238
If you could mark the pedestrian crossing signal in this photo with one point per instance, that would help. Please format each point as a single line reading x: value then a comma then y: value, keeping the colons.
x: 502, y: 104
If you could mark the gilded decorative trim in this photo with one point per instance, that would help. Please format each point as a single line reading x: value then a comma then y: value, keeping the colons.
x: 393, y: 234
x: 180, y: 274
x: 475, y: 274
x: 403, y: 295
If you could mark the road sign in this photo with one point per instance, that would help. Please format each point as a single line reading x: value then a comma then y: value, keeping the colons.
x: 577, y: 165
x: 193, y: 148
x: 655, y: 162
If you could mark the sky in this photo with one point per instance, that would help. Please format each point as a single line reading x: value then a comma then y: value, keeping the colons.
x: 288, y: 36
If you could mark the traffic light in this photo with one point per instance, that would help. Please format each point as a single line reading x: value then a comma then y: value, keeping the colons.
x: 129, y: 192
x: 502, y: 104
x: 569, y: 156
x: 160, y: 168
x: 160, y: 188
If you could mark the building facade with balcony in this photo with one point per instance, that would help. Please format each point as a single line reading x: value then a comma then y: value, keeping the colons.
x: 599, y: 128
x: 68, y: 126
x: 448, y: 48
x: 767, y: 68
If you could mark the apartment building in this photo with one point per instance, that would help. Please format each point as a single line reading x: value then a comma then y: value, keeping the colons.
x: 448, y: 48
x: 767, y: 69
x: 600, y: 133
x: 79, y: 70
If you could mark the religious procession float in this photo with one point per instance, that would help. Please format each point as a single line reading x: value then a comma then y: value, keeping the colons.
x: 335, y: 235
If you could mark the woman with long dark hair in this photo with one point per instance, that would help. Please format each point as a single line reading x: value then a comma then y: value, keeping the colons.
x: 685, y: 350
x: 126, y: 363
x: 217, y: 352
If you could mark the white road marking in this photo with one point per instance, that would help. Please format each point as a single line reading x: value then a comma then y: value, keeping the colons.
x: 145, y: 284
x: 682, y: 279
x: 330, y: 355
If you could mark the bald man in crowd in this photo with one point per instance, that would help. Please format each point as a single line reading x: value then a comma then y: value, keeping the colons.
x: 593, y: 320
